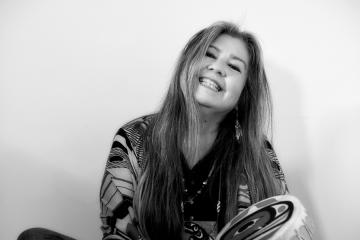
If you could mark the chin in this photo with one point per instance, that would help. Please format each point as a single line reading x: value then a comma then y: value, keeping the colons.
x: 205, y: 100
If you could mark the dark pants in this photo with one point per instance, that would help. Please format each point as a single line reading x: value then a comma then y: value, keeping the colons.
x: 42, y: 234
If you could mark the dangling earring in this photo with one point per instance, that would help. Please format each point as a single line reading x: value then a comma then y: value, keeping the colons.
x: 238, y: 131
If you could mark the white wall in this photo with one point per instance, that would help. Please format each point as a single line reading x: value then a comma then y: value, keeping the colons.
x: 71, y: 72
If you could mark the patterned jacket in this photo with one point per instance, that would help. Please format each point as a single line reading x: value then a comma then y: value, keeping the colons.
x: 123, y: 171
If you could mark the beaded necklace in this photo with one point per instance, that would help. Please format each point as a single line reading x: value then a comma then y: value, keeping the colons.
x: 190, y: 199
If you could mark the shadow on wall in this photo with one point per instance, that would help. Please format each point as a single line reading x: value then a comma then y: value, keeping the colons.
x: 291, y: 138
x: 339, y: 130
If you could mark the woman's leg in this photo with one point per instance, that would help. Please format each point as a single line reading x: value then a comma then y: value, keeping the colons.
x: 42, y: 234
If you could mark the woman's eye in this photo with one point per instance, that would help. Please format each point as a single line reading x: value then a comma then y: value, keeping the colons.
x: 236, y: 68
x: 210, y: 55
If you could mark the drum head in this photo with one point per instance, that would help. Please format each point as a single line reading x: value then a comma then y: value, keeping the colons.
x: 276, y: 218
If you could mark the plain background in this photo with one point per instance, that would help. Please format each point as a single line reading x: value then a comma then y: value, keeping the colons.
x: 72, y: 72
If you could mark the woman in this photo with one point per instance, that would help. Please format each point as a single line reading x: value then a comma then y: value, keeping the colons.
x: 185, y: 171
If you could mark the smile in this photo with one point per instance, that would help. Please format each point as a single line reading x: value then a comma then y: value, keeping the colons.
x: 210, y: 84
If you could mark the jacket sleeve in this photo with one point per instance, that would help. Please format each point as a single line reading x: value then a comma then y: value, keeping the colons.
x: 278, y: 172
x: 117, y: 190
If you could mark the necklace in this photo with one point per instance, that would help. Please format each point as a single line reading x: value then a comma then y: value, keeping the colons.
x: 190, y: 199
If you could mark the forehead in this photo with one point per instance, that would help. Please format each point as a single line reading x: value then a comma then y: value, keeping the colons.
x: 231, y: 46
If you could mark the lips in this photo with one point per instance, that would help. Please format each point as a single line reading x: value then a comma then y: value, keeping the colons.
x: 209, y: 83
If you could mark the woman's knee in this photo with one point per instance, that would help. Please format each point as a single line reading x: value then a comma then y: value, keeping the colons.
x: 41, y: 234
x: 31, y: 234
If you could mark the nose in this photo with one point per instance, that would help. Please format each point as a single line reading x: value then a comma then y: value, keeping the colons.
x: 218, y: 68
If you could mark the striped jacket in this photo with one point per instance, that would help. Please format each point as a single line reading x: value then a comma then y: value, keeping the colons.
x: 123, y: 171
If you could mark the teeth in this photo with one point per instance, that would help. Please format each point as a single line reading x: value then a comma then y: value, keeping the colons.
x: 208, y: 83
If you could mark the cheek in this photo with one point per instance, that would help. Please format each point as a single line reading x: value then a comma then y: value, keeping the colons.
x: 238, y: 89
x: 203, y: 64
x: 238, y: 85
x: 241, y: 88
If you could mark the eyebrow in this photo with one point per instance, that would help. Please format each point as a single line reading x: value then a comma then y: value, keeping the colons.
x: 232, y: 55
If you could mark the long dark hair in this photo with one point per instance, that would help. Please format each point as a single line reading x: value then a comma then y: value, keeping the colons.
x: 176, y: 126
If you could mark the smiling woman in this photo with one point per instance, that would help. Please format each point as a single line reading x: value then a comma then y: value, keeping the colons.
x: 187, y: 170
x: 222, y: 74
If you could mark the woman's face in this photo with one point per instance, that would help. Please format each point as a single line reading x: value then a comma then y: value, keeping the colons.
x: 223, y: 72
